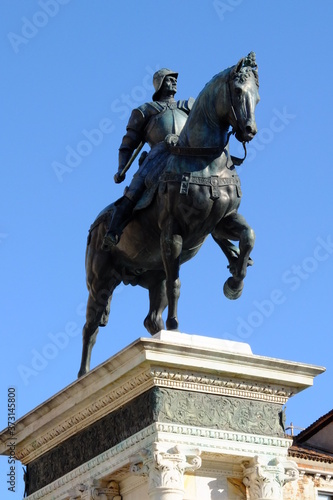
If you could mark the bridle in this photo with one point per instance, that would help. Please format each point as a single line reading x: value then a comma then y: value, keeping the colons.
x: 171, y: 142
x: 236, y: 161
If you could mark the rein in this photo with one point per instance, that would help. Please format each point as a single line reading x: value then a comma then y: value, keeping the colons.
x: 217, y: 151
x: 236, y: 161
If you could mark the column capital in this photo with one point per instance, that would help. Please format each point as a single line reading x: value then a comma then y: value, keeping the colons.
x: 165, y: 469
x: 96, y: 490
x: 264, y: 478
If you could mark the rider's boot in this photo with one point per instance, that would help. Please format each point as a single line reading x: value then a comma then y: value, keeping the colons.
x: 120, y: 217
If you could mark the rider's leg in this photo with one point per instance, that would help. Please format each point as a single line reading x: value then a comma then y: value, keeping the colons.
x: 120, y: 216
x: 123, y: 211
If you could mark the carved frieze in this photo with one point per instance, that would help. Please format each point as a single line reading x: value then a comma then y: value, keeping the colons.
x: 158, y: 405
x: 211, y: 383
x: 221, y: 412
x: 154, y: 376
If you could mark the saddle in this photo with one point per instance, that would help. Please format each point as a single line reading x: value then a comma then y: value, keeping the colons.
x: 155, y: 165
x: 156, y: 177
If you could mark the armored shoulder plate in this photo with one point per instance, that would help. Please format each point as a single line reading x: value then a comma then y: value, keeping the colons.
x: 141, y: 115
x: 151, y: 108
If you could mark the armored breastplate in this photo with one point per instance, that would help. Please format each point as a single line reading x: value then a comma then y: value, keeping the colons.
x: 169, y: 121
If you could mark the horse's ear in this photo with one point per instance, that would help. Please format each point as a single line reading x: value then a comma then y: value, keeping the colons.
x: 237, y: 67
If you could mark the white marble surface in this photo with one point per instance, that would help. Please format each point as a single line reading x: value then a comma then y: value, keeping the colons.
x: 180, y: 338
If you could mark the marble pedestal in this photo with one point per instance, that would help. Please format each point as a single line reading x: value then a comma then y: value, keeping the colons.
x: 172, y: 417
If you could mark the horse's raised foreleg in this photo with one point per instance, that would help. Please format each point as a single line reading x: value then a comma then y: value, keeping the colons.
x: 97, y: 314
x: 171, y: 248
x: 236, y: 228
x: 157, y: 303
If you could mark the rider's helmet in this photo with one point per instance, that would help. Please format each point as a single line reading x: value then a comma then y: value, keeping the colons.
x: 158, y: 80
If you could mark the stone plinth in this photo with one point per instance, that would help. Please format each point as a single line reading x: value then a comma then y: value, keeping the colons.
x: 173, y: 417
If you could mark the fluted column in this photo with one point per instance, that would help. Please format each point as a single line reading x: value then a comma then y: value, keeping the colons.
x: 165, y: 470
x: 264, y: 478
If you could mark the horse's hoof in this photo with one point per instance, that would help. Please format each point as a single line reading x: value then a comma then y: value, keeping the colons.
x: 153, y: 326
x: 233, y: 290
x: 172, y: 324
x: 82, y: 372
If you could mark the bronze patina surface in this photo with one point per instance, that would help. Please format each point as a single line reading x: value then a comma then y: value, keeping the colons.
x: 195, y: 191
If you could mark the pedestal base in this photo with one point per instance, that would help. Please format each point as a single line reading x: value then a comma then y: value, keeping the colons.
x: 173, y: 417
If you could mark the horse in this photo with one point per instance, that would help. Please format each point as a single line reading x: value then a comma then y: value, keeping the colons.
x: 198, y: 193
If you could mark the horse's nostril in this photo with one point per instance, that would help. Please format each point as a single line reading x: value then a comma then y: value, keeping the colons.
x: 250, y: 130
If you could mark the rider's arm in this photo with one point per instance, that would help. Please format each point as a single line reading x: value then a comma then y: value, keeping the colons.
x: 133, y: 137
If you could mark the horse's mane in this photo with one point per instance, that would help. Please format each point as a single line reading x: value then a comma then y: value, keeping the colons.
x: 202, y: 102
x: 220, y: 77
x: 246, y: 68
x: 249, y: 67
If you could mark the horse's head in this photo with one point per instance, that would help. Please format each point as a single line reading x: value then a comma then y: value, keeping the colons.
x: 244, y: 96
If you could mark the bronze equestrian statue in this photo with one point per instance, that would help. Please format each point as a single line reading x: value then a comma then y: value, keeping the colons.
x: 192, y: 190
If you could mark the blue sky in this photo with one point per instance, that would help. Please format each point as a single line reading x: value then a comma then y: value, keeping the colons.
x: 72, y: 72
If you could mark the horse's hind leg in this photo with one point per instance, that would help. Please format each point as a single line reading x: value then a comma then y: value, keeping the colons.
x: 236, y: 228
x: 157, y: 303
x: 97, y: 315
x: 89, y: 334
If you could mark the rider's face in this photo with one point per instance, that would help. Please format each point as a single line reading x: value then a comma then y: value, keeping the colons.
x: 169, y: 84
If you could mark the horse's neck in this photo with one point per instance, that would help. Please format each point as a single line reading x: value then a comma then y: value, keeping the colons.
x: 203, y: 127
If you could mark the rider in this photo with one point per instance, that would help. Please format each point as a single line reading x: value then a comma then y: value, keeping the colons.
x: 150, y: 123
